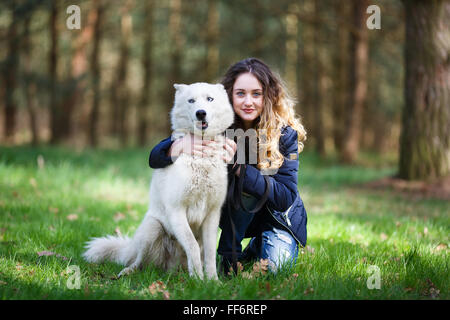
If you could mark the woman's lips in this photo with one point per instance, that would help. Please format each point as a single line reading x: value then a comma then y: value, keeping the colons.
x: 248, y: 110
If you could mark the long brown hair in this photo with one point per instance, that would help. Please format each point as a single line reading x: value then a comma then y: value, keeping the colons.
x: 278, y: 110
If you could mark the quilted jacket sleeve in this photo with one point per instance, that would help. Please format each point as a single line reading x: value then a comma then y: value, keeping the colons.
x: 283, y: 188
x: 158, y: 156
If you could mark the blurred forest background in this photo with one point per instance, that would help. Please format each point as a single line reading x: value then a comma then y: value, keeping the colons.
x: 110, y: 83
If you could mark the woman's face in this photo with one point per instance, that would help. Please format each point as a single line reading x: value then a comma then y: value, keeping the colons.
x: 247, y: 98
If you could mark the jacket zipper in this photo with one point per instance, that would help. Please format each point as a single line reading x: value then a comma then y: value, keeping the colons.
x: 289, y: 224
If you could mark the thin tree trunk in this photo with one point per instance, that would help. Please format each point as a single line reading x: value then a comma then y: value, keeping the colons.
x: 291, y: 25
x: 79, y: 70
x: 425, y: 136
x: 307, y: 70
x: 96, y: 76
x: 176, y: 44
x: 318, y: 83
x: 147, y: 65
x: 10, y: 76
x: 212, y: 41
x: 358, y: 76
x: 119, y: 90
x: 30, y: 85
x: 341, y: 79
x: 55, y: 125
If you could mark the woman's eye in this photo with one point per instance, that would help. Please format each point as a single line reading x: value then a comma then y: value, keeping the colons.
x: 191, y: 100
x: 210, y: 99
x: 257, y: 94
x: 240, y: 94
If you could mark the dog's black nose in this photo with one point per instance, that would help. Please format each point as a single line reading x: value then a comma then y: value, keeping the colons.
x: 201, y: 115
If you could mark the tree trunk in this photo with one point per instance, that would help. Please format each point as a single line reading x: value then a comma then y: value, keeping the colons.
x: 358, y: 77
x: 119, y: 89
x: 96, y: 76
x: 147, y: 66
x: 291, y: 25
x: 55, y: 124
x: 30, y: 85
x: 341, y: 75
x: 78, y: 77
x: 425, y: 137
x: 305, y: 92
x: 176, y: 45
x: 212, y: 39
x: 10, y: 75
x: 318, y: 83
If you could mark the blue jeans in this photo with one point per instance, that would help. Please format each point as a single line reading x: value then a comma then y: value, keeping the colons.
x: 275, y: 244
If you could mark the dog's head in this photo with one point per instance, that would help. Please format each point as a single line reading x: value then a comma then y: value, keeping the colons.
x: 201, y: 109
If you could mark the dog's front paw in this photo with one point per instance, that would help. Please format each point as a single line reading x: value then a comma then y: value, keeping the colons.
x: 126, y: 272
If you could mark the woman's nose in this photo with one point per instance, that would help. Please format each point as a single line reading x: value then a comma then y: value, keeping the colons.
x: 248, y: 100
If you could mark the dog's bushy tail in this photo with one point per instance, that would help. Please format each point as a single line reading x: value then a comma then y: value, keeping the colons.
x: 113, y: 248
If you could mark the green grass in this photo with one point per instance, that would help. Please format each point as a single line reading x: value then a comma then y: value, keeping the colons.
x: 350, y: 228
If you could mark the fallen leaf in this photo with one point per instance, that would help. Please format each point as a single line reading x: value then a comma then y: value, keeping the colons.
x: 51, y: 253
x: 119, y: 216
x: 45, y: 253
x: 308, y: 291
x: 157, y: 286
x: 40, y: 162
x: 431, y: 290
x: 441, y: 246
x: 53, y: 210
x: 260, y: 267
x: 434, y: 293
x: 425, y: 231
x: 383, y: 237
x: 310, y: 249
x: 166, y: 295
x: 3, y: 282
x: 72, y: 217
x: 33, y: 182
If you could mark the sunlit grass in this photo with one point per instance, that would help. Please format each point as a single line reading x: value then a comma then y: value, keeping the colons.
x: 59, y: 203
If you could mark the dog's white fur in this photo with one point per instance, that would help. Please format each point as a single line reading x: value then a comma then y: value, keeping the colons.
x: 185, y: 197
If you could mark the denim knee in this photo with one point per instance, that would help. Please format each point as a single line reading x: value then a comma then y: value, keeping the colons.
x: 280, y: 248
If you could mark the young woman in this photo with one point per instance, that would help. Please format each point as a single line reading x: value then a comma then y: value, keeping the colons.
x: 260, y: 102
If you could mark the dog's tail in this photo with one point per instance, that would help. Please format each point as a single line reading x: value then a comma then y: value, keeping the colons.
x: 113, y: 248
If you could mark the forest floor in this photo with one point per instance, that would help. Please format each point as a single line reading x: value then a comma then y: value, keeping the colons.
x: 370, y: 236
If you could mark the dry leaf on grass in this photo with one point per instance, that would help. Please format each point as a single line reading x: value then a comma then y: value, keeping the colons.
x: 308, y: 291
x: 441, y: 246
x: 159, y: 286
x: 51, y: 253
x: 119, y: 216
x: 431, y: 290
x: 72, y: 217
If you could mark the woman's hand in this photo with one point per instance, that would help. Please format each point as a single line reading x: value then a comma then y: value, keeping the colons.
x: 189, y: 144
x: 230, y: 149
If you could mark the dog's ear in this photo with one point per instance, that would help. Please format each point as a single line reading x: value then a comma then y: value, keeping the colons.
x: 179, y: 87
x: 220, y: 86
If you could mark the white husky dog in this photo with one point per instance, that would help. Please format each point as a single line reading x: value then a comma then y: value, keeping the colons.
x: 185, y: 197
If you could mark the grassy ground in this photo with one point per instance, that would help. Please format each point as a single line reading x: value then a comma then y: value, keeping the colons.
x: 52, y: 200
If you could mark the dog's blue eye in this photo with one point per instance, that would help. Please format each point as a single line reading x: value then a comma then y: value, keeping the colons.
x: 210, y: 99
x: 191, y: 100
